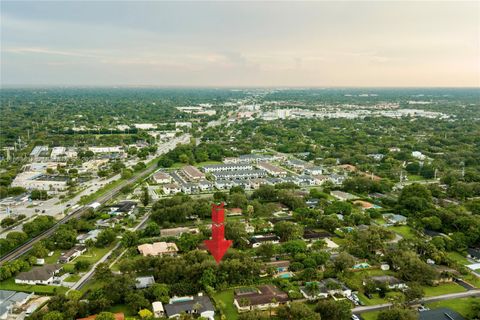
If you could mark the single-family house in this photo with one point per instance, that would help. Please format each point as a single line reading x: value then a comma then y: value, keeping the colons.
x: 337, y: 179
x: 324, y: 288
x: 440, y: 314
x: 261, y: 298
x: 158, y: 248
x: 144, y: 282
x: 312, y: 235
x: 45, y: 274
x: 395, y: 219
x: 195, y: 305
x: 343, y: 196
x: 257, y: 241
x: 71, y: 254
x: 474, y: 254
x: 390, y: 281
x: 158, y: 310
x: 90, y: 235
x: 177, y: 232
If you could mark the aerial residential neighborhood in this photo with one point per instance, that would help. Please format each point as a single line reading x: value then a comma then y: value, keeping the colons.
x: 239, y: 160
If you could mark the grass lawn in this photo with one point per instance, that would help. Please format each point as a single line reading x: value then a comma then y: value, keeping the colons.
x: 10, y: 284
x: 92, y: 255
x: 404, y: 231
x: 224, y: 302
x: 370, y: 315
x: 338, y: 240
x: 207, y: 163
x: 54, y: 257
x: 462, y: 306
x: 73, y: 278
x: 393, y: 295
x: 445, y: 288
x: 458, y: 257
x: 472, y: 279
x: 414, y: 177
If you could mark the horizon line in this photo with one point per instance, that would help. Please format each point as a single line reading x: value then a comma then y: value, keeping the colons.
x: 125, y: 86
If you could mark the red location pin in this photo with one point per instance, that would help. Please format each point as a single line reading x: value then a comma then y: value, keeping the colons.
x: 218, y: 245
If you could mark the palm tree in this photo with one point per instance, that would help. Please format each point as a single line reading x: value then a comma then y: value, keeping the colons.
x: 313, y: 288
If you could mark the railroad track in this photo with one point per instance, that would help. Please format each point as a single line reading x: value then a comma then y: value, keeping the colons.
x: 25, y: 247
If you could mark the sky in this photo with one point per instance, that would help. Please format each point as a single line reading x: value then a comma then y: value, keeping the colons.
x: 240, y: 44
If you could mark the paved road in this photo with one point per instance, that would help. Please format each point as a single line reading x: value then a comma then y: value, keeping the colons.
x: 24, y: 248
x: 87, y: 276
x: 471, y: 293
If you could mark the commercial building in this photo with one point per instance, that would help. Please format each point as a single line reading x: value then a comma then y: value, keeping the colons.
x: 34, y: 180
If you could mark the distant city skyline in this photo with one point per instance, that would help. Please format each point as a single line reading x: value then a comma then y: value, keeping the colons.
x: 241, y: 44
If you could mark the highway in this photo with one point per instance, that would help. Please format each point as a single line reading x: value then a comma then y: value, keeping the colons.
x: 24, y: 248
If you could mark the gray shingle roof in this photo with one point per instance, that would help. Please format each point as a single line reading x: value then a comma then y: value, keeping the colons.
x: 187, y: 306
x: 440, y: 314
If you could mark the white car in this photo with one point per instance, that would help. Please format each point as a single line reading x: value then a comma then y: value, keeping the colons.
x: 355, y: 317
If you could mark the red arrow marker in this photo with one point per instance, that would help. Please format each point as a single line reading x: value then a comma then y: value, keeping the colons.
x: 218, y: 245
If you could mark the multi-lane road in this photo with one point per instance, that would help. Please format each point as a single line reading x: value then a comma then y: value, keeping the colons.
x: 24, y: 248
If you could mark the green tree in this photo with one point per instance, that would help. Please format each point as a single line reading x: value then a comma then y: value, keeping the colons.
x: 53, y: 315
x: 414, y: 292
x: 287, y: 230
x: 330, y: 309
x: 105, y: 316
x: 397, y: 313
x: 145, y: 197
x: 297, y: 311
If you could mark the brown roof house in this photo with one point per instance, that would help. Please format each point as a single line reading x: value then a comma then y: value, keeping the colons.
x: 158, y: 248
x: 261, y: 298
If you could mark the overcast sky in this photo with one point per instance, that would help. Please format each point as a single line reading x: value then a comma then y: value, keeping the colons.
x: 241, y: 43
